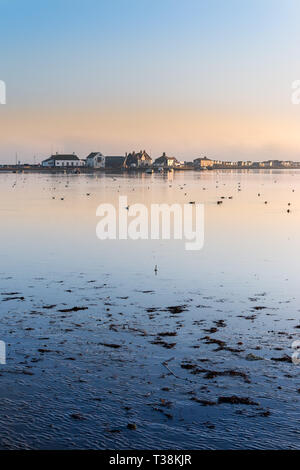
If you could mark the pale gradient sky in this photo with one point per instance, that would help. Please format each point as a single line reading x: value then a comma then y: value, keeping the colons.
x: 194, y: 77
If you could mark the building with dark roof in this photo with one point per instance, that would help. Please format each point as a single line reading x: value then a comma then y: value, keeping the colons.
x: 165, y: 161
x: 139, y: 159
x: 63, y: 160
x: 114, y: 162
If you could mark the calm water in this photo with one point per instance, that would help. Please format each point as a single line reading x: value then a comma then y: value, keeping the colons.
x: 65, y: 386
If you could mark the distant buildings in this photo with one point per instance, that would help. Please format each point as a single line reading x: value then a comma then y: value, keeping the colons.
x: 225, y: 164
x: 188, y: 165
x: 95, y: 160
x: 244, y: 164
x: 276, y: 164
x: 205, y: 162
x: 138, y: 160
x: 115, y: 162
x: 60, y: 160
x: 165, y: 161
x: 142, y: 161
x: 132, y: 160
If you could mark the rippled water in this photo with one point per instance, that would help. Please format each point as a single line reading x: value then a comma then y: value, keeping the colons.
x: 65, y: 386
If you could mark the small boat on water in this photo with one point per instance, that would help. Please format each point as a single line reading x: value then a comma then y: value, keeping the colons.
x: 149, y: 171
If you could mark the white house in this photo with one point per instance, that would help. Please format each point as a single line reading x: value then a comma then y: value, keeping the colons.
x: 60, y: 160
x: 165, y: 161
x: 95, y: 160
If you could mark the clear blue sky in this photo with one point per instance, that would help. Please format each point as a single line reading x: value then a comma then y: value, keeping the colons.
x: 186, y: 77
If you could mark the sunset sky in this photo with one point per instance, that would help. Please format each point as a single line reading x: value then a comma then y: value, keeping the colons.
x: 194, y: 77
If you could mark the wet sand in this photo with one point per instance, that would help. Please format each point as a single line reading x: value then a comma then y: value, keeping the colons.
x: 102, y: 352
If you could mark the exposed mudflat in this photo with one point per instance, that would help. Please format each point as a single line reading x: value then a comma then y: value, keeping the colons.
x: 102, y: 352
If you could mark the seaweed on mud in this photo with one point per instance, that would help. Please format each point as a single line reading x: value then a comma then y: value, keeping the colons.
x: 220, y: 323
x: 204, y: 402
x: 131, y: 426
x: 77, y: 416
x: 219, y: 342
x: 168, y: 333
x: 6, y: 299
x: 164, y: 343
x: 73, y: 309
x: 284, y: 358
x: 176, y: 309
x: 227, y: 373
x: 235, y: 400
x: 222, y: 345
x: 211, y: 330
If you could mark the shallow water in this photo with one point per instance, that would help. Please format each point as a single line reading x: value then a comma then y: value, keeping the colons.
x: 64, y: 387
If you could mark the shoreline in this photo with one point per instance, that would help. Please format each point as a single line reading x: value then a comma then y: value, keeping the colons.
x: 65, y: 170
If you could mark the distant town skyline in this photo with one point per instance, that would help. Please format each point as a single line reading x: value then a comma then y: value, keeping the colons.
x: 190, y: 78
x: 141, y: 161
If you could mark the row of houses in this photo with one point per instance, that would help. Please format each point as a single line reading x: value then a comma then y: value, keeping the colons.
x: 131, y: 160
x: 140, y: 160
x: 98, y: 160
x: 207, y: 163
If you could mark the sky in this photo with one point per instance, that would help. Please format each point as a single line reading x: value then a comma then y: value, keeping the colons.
x: 191, y: 78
